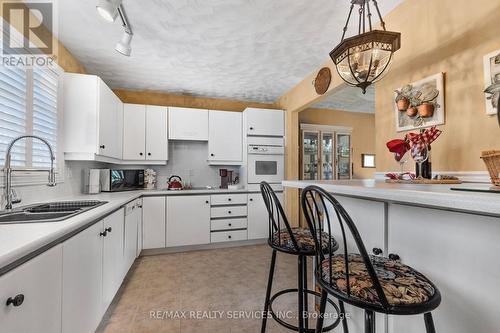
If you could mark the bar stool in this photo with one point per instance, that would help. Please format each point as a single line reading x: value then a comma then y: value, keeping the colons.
x: 298, y: 242
x: 372, y: 283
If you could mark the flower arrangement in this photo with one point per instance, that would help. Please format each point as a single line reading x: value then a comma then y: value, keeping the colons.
x: 150, y: 178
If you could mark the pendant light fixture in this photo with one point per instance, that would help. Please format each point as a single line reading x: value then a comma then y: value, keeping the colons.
x: 365, y: 58
x: 109, y: 10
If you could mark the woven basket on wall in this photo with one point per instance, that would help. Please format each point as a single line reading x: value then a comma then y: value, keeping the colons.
x: 492, y: 160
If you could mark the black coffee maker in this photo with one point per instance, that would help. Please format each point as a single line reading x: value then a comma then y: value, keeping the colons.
x: 226, y: 178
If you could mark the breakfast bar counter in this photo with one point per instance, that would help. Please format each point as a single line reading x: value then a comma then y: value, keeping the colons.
x: 450, y: 236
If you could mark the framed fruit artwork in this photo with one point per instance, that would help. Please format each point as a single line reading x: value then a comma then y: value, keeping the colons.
x: 492, y: 81
x: 420, y: 104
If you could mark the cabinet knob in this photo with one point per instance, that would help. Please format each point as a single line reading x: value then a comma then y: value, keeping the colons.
x: 229, y: 212
x: 141, y: 154
x: 229, y: 224
x: 229, y: 236
x: 251, y: 128
x: 103, y: 234
x: 102, y: 146
x: 16, y: 301
x: 394, y: 257
x: 376, y: 251
x: 212, y: 155
x: 229, y: 199
x: 251, y: 199
x: 149, y: 154
x: 206, y: 201
x: 108, y: 229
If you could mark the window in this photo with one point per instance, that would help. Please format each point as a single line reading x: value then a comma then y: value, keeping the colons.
x: 367, y: 160
x: 28, y: 105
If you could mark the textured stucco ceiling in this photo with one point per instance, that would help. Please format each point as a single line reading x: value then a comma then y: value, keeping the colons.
x: 350, y: 99
x: 252, y: 50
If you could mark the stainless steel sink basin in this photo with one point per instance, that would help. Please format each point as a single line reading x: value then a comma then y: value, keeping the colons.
x: 48, y: 212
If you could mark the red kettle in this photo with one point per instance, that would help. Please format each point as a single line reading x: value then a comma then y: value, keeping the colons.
x: 174, y: 183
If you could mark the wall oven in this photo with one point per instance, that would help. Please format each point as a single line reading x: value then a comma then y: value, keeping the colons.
x: 266, y: 163
x: 117, y: 180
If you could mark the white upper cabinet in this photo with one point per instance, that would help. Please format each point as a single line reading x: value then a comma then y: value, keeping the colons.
x: 145, y: 133
x: 225, y: 138
x: 156, y: 133
x: 187, y: 124
x: 265, y: 122
x: 134, y: 131
x: 93, y: 119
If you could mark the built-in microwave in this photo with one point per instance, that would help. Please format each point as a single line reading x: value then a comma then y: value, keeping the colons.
x: 266, y: 163
x: 117, y: 180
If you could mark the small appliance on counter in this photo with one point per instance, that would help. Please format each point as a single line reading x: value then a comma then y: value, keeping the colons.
x: 226, y: 178
x: 174, y: 183
x: 117, y: 180
x: 91, y: 181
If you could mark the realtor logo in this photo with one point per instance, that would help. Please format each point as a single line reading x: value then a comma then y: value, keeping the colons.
x: 34, y: 20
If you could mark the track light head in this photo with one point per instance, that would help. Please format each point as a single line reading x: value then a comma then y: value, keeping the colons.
x: 108, y: 9
x: 123, y: 45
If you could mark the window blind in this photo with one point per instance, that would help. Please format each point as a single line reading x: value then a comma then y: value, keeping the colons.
x: 45, y: 85
x: 13, y: 96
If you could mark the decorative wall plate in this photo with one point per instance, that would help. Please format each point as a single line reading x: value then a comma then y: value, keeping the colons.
x: 323, y: 80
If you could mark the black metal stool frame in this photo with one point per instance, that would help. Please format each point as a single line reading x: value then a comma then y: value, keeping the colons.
x: 314, y: 204
x: 277, y: 218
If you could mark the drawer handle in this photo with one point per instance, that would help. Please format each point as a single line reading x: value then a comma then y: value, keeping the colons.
x: 102, y: 146
x: 376, y: 251
x: 108, y: 229
x: 229, y: 224
x: 212, y: 155
x: 103, y: 234
x: 16, y: 301
x: 206, y: 201
x: 149, y: 154
x: 140, y: 154
x: 229, y: 212
x: 229, y: 236
x: 251, y: 128
x: 251, y: 199
x: 229, y: 199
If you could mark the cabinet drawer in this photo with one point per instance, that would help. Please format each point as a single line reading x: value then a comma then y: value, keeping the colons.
x: 228, y: 224
x: 228, y: 211
x: 228, y: 236
x: 228, y: 199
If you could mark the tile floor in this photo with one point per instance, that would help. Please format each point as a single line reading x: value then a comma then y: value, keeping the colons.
x: 229, y: 279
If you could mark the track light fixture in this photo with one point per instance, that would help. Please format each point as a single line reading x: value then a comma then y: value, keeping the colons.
x: 109, y: 10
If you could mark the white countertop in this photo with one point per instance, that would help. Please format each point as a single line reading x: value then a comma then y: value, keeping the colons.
x: 435, y: 196
x: 19, y: 240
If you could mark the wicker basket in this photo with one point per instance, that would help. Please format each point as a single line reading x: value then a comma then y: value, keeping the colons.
x: 492, y: 160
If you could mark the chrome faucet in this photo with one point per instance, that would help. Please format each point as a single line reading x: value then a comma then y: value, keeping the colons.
x: 8, y: 170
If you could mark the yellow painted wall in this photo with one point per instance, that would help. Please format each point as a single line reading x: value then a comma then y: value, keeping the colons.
x: 450, y: 36
x: 166, y: 99
x: 363, y: 132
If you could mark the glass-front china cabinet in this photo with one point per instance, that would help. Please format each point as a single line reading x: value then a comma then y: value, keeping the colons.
x: 326, y: 152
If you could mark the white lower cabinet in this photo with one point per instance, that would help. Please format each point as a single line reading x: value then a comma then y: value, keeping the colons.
x: 82, y: 281
x: 131, y: 242
x: 113, y: 262
x: 258, y: 218
x: 153, y: 222
x: 188, y: 220
x: 38, y: 284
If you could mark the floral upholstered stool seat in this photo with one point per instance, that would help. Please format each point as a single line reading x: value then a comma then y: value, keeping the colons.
x: 304, y: 239
x: 401, y: 284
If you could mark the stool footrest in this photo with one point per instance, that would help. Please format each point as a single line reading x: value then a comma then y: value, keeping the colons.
x: 296, y: 328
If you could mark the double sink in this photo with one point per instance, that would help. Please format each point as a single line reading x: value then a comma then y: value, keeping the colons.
x: 48, y: 212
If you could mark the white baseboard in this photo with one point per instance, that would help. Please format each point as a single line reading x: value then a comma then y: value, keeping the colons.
x: 465, y: 176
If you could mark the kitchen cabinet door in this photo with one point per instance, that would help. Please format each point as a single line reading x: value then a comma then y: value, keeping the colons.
x: 156, y: 133
x: 459, y: 253
x: 258, y: 218
x: 187, y: 124
x: 265, y: 122
x: 113, y: 261
x: 39, y: 282
x: 153, y: 222
x: 188, y: 220
x: 131, y: 243
x: 82, y: 281
x: 110, y: 122
x: 225, y: 136
x: 134, y: 132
